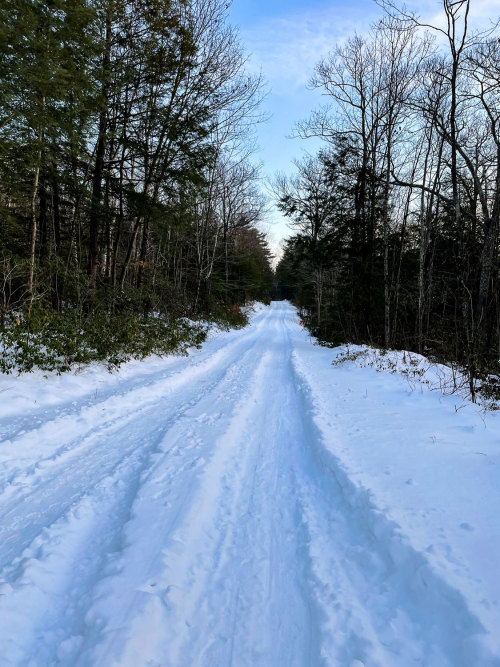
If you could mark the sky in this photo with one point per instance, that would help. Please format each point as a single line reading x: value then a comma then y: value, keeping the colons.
x: 284, y: 40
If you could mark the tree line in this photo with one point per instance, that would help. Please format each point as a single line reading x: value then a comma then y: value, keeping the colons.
x: 127, y: 185
x: 397, y: 217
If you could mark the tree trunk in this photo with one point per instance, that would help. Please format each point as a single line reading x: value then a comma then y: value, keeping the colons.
x: 36, y: 179
x: 96, y: 210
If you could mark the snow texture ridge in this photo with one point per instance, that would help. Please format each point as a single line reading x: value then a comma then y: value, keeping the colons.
x: 250, y: 504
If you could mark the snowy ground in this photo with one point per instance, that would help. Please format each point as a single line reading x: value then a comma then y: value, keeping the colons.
x: 250, y: 505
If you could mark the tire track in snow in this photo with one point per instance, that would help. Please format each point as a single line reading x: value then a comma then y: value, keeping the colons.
x: 127, y: 634
x: 102, y: 511
x: 375, y: 590
x: 55, y: 484
x: 252, y: 572
x: 89, y: 416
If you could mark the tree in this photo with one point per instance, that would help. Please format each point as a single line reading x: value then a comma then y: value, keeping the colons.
x: 126, y: 161
x: 419, y: 117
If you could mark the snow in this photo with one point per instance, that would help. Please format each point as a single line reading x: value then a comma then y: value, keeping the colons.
x: 250, y: 504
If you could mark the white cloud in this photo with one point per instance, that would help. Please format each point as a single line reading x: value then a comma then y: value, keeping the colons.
x: 287, y: 48
x: 481, y: 13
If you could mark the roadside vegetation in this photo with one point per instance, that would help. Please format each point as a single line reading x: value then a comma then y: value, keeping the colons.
x: 396, y: 219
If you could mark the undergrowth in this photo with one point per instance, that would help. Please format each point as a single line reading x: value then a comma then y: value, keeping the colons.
x: 56, y: 342
x: 52, y: 341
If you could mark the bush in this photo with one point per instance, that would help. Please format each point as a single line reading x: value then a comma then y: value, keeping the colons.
x: 54, y: 342
x: 229, y: 317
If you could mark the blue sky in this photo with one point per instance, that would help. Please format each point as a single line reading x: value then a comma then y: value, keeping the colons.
x: 285, y: 39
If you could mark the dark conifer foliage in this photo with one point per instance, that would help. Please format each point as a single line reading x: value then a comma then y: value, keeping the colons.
x: 126, y: 184
x: 397, y: 218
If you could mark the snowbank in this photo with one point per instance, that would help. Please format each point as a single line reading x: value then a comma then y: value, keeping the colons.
x: 422, y: 469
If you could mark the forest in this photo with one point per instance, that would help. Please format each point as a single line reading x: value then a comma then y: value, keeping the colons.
x: 396, y: 218
x: 129, y: 199
x: 130, y: 196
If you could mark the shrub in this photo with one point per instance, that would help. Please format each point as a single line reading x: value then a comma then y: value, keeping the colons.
x: 54, y: 342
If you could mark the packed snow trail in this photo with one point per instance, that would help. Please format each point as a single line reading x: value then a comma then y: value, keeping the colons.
x: 201, y: 514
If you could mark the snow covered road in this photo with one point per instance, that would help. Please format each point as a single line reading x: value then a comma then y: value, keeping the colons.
x: 228, y: 509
